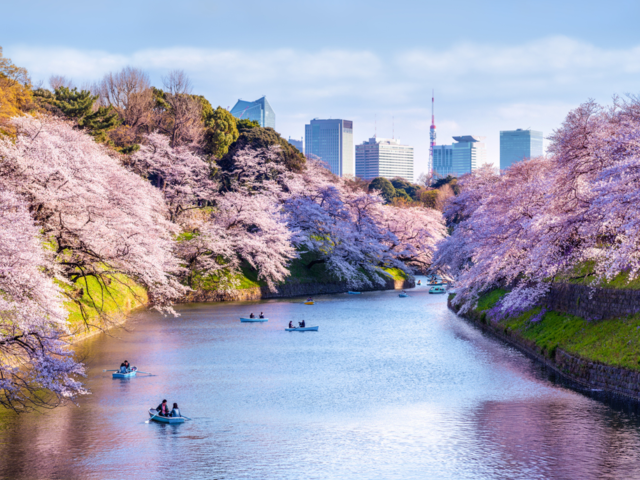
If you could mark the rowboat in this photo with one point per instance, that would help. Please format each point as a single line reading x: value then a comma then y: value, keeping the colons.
x: 254, y: 319
x: 303, y: 329
x: 353, y: 293
x: 153, y: 413
x: 437, y: 289
x: 308, y: 303
x: 130, y: 374
x: 403, y: 295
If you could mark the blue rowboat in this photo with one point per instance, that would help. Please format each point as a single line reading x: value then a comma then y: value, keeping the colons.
x: 353, y: 293
x: 153, y: 413
x: 254, y: 319
x: 403, y: 295
x: 303, y: 329
x: 437, y: 289
x: 130, y: 374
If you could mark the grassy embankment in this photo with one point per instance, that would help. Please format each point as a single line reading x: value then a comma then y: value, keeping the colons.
x: 612, y: 342
x: 88, y: 311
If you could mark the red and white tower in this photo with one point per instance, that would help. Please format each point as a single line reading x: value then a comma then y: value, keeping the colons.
x: 432, y: 132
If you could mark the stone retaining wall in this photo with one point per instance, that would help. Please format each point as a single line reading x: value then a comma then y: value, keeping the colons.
x: 593, y: 376
x: 288, y: 290
x: 592, y: 303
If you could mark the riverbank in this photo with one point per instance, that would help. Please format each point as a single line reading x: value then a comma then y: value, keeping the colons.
x: 302, y: 281
x: 97, y: 307
x: 599, y: 353
x: 289, y: 290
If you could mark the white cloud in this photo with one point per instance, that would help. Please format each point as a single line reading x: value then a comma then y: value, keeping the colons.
x: 559, y: 58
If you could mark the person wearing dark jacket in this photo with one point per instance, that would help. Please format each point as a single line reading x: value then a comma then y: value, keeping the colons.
x: 163, y: 409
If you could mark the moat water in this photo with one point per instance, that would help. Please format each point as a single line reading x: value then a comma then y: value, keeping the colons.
x: 388, y: 388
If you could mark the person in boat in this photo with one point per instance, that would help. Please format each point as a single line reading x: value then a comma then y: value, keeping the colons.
x: 301, y: 324
x: 124, y: 367
x: 251, y: 315
x: 419, y: 282
x: 309, y: 299
x: 126, y: 363
x: 291, y: 324
x: 163, y: 409
x: 261, y: 315
x: 175, y: 412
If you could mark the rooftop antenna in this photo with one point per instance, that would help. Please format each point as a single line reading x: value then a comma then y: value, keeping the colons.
x: 393, y: 128
x: 375, y: 126
x: 432, y: 130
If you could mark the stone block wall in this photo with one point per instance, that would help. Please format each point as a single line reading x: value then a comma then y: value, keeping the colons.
x: 598, y: 376
x: 591, y: 375
x: 592, y: 303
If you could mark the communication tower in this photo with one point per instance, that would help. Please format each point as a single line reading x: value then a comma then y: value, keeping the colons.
x: 432, y: 131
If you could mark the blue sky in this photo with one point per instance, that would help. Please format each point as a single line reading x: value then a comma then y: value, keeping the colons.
x: 494, y: 65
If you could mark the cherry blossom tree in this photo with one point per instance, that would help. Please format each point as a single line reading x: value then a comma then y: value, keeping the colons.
x: 101, y: 220
x: 183, y: 177
x: 417, y: 230
x: 36, y: 368
x: 241, y: 228
x: 544, y: 217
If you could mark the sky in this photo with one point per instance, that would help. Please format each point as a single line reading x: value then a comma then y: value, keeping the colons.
x: 494, y: 65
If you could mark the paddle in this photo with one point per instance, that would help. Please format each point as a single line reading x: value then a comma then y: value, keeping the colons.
x: 152, y: 417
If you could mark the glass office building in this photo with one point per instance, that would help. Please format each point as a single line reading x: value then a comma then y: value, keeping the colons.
x: 260, y: 111
x: 443, y: 160
x: 383, y: 157
x: 332, y: 142
x: 516, y: 145
x: 466, y: 155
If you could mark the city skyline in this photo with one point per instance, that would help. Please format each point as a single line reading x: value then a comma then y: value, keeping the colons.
x: 489, y: 74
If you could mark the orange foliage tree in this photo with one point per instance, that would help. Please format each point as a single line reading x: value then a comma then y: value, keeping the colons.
x: 15, y: 90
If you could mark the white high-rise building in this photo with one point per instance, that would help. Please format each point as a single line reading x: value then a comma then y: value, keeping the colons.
x: 384, y: 157
x: 465, y: 156
x: 332, y: 142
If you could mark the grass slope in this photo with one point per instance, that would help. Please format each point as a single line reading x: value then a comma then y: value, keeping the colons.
x: 116, y: 299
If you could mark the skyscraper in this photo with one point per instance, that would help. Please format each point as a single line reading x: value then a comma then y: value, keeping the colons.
x: 516, y: 145
x: 383, y: 157
x: 468, y: 154
x: 442, y: 160
x: 332, y: 142
x: 258, y: 110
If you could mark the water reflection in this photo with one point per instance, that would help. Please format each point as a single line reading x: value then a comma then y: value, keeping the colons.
x: 388, y: 388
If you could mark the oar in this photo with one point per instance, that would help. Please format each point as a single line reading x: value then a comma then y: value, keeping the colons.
x: 152, y: 417
x: 146, y: 373
x: 110, y: 370
x: 185, y: 417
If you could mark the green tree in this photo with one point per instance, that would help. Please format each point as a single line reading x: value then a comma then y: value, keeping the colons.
x: 408, y: 187
x: 261, y: 138
x: 79, y: 106
x: 220, y: 132
x: 385, y: 186
x: 400, y: 193
x: 245, y: 124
